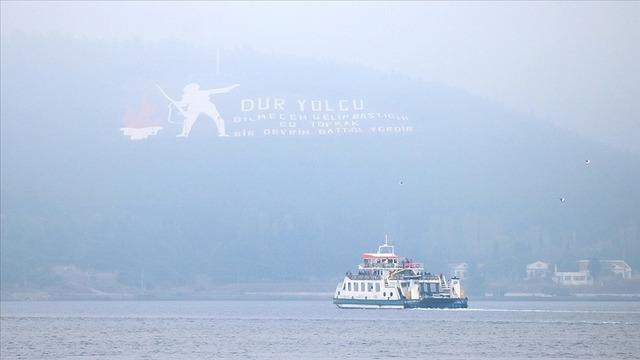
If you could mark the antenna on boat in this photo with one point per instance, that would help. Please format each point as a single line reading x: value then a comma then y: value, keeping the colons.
x: 386, y: 239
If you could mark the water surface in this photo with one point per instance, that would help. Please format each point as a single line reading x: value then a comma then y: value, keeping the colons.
x: 317, y: 330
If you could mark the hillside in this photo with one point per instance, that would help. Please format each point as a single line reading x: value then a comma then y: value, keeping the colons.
x: 463, y: 179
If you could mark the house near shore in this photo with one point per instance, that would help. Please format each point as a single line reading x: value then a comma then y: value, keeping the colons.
x: 617, y: 268
x: 572, y: 278
x: 460, y: 270
x: 537, y: 270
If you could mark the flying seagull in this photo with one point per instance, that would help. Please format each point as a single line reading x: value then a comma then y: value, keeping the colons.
x: 587, y: 162
x: 401, y: 182
x: 562, y: 199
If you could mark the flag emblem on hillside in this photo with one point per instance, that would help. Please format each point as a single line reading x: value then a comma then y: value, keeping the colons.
x: 140, y: 124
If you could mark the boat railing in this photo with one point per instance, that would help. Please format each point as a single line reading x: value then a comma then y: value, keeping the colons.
x: 413, y: 265
x: 430, y: 278
x: 363, y: 277
x: 423, y: 277
x: 401, y: 265
x: 379, y: 265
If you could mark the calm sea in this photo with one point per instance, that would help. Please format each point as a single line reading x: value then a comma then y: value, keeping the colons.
x: 317, y: 330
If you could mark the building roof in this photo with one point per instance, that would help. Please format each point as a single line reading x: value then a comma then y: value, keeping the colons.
x: 538, y: 265
x: 459, y: 265
x: 612, y: 263
x: 617, y: 263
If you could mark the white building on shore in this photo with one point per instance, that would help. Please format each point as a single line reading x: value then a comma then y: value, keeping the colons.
x: 619, y: 268
x: 537, y: 270
x: 459, y: 270
x: 572, y: 278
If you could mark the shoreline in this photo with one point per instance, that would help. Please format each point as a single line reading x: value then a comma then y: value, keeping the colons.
x: 315, y: 297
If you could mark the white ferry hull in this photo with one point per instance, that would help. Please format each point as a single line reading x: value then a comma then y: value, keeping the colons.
x: 365, y: 306
x: 368, y: 304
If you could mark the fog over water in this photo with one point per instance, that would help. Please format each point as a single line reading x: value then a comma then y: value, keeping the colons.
x: 191, y: 180
x: 352, y: 121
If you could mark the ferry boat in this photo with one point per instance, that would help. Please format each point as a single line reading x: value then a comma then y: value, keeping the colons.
x: 387, y: 281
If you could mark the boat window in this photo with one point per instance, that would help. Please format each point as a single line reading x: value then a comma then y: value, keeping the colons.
x: 344, y: 286
x: 362, y: 287
x: 369, y: 287
x: 349, y: 286
x: 377, y: 287
x: 386, y: 250
x: 391, y: 293
x: 384, y: 293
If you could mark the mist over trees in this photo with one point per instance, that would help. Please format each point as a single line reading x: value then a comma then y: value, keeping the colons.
x: 474, y: 181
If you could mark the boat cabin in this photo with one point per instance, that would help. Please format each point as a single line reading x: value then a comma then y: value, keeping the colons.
x: 384, y: 258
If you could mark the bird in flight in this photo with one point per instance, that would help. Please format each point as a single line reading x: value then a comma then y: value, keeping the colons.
x: 562, y: 199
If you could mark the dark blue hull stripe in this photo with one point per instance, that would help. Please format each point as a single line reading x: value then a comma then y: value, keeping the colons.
x: 424, y: 303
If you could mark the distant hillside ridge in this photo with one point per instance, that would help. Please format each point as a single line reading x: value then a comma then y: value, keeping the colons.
x: 463, y: 179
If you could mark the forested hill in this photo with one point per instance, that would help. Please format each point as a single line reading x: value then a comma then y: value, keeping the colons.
x: 450, y: 176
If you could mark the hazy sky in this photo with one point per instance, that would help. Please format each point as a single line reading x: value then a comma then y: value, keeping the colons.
x: 574, y: 64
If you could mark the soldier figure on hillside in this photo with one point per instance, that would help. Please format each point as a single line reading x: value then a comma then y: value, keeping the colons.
x: 195, y: 102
